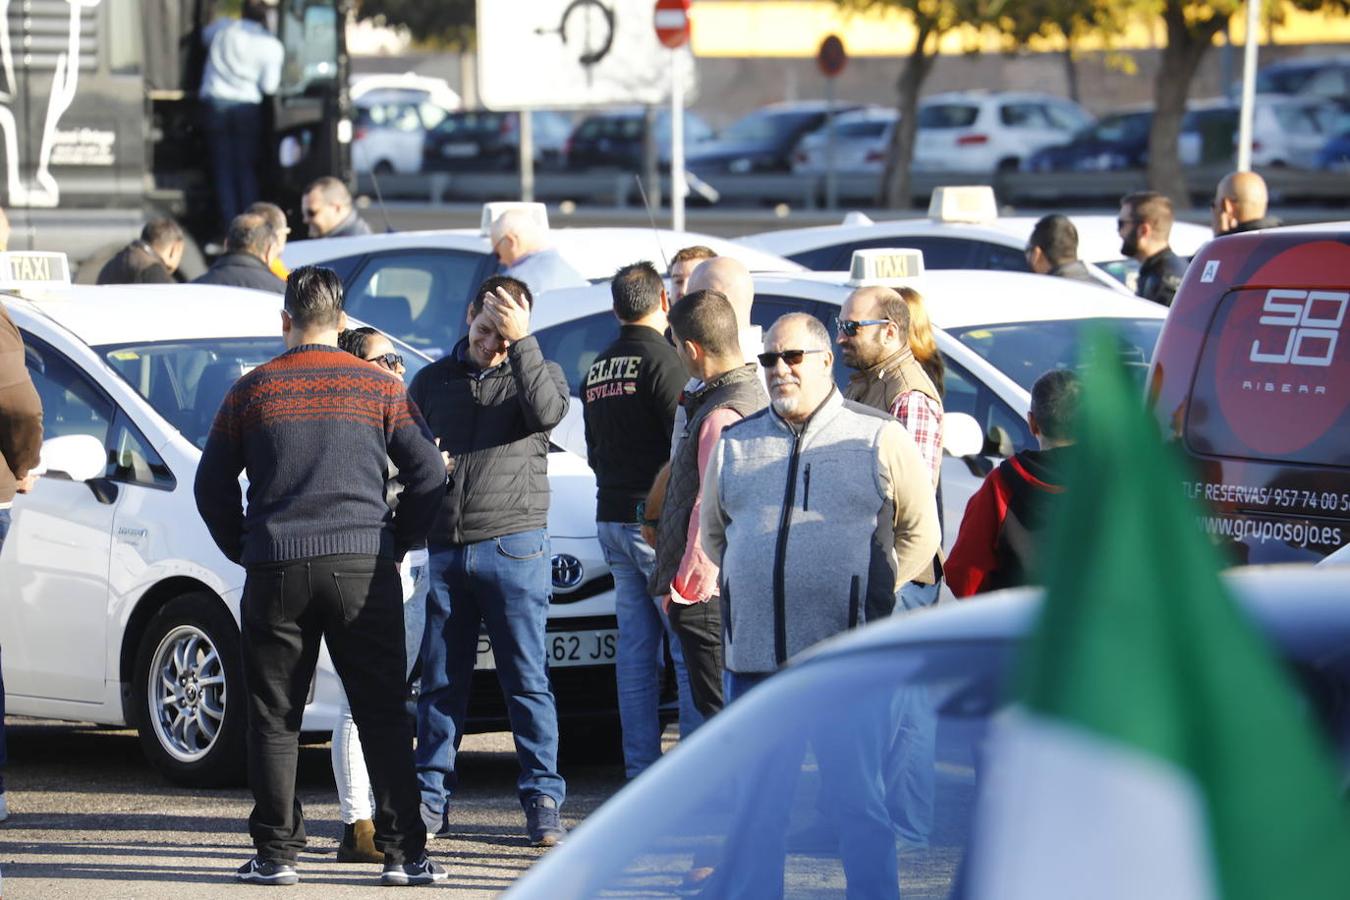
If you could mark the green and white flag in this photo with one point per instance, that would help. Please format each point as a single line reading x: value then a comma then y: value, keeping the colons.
x: 1158, y: 750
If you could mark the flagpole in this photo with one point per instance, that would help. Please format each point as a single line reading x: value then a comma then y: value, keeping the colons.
x: 1244, y: 147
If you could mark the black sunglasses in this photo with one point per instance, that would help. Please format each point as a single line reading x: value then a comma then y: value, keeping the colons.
x: 850, y: 326
x: 388, y: 360
x: 791, y: 357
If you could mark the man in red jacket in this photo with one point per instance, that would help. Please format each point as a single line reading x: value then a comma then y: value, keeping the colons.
x: 996, y: 546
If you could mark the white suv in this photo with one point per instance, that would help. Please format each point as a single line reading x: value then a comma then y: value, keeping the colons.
x: 983, y: 132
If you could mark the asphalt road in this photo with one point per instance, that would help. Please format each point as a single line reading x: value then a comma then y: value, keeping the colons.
x: 89, y: 818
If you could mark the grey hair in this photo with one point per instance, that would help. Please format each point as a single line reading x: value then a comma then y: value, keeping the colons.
x: 818, y: 337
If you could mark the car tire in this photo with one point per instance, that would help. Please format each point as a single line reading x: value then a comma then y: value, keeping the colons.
x: 384, y: 167
x: 188, y: 701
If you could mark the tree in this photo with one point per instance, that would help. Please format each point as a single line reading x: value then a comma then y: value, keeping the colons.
x: 932, y: 19
x: 443, y: 23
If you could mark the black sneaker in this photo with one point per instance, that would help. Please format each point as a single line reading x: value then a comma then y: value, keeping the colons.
x: 423, y: 871
x: 542, y: 822
x: 266, y: 871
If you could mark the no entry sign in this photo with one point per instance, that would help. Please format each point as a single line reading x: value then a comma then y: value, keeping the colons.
x: 672, y: 22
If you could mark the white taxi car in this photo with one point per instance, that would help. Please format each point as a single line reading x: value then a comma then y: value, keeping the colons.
x: 118, y: 607
x: 998, y: 332
x: 416, y: 285
x: 963, y: 230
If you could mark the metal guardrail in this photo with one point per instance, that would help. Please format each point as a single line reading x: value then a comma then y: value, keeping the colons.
x: 619, y: 189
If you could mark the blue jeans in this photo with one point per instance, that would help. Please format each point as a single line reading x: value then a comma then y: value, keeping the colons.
x: 909, y: 772
x: 4, y: 751
x: 234, y: 133
x: 640, y: 660
x: 502, y: 583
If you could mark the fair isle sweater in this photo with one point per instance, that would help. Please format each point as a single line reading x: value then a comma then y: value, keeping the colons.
x: 314, y: 430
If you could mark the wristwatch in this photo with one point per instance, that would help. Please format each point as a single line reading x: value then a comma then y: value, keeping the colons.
x: 641, y: 517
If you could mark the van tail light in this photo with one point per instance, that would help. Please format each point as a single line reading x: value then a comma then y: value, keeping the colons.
x: 874, y: 156
x: 972, y: 140
x: 1256, y: 146
x: 361, y: 131
x: 567, y: 147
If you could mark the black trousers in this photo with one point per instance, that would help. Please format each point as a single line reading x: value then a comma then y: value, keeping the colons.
x: 356, y: 603
x: 699, y: 628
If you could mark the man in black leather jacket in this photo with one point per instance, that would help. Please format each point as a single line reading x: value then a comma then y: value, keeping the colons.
x: 1145, y: 226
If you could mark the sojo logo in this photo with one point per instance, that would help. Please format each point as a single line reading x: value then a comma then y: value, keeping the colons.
x: 1313, y: 318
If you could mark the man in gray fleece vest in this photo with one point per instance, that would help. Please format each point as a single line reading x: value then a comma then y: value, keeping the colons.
x: 815, y: 509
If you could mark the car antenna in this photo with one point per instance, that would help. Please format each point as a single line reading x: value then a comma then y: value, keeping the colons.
x: 379, y: 198
x: 650, y: 218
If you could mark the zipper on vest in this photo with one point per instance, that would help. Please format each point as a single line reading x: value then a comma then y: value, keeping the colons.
x: 806, y: 488
x: 853, y: 603
x: 780, y: 556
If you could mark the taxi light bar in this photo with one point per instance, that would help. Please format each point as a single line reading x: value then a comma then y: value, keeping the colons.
x: 965, y: 203
x: 493, y: 211
x: 26, y: 268
x: 885, y: 267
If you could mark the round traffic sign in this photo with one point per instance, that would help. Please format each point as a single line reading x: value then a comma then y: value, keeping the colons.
x: 672, y: 22
x: 831, y: 56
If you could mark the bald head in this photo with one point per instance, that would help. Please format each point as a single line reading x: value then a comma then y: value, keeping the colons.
x: 729, y: 277
x: 515, y: 235
x: 1240, y: 197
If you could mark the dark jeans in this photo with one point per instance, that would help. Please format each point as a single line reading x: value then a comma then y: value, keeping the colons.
x: 234, y: 136
x: 501, y: 584
x: 4, y: 751
x: 699, y: 628
x: 356, y: 603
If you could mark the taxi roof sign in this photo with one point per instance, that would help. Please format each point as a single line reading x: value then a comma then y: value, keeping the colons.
x: 885, y: 266
x: 973, y: 203
x: 493, y: 211
x: 30, y: 268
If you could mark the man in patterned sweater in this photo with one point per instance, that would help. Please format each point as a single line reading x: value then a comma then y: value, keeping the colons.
x: 314, y: 430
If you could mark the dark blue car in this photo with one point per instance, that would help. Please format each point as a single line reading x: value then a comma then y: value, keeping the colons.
x: 1116, y: 141
x: 762, y: 141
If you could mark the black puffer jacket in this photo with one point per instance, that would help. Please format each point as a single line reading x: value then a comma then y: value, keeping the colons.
x: 239, y: 269
x: 495, y: 426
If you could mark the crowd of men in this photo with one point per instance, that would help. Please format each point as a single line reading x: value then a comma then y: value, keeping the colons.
x: 397, y: 523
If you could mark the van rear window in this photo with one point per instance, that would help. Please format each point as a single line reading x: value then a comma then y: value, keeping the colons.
x: 1274, y: 378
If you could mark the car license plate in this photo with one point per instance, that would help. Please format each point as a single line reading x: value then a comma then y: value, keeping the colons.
x: 459, y: 150
x: 565, y: 648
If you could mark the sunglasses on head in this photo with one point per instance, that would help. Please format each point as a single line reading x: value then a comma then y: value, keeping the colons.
x: 791, y: 357
x: 850, y: 326
x: 388, y: 360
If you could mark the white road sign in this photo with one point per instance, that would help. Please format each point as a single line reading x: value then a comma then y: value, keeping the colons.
x: 572, y: 53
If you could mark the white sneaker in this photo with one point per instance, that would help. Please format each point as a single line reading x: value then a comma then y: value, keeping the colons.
x: 4, y: 807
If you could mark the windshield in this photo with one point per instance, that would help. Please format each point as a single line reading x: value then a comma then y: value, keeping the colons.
x: 1284, y: 81
x: 1024, y: 351
x: 186, y: 380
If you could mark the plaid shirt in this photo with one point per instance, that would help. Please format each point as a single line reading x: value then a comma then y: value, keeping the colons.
x: 922, y: 418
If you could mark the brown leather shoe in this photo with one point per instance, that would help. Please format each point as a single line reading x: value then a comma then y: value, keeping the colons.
x: 358, y: 843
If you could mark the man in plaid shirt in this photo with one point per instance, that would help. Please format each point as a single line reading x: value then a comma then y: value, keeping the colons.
x: 873, y: 338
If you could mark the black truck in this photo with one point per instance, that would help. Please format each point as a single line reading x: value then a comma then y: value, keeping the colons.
x: 100, y: 126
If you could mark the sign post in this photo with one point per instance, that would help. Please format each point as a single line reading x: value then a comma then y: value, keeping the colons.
x: 671, y: 19
x: 831, y: 59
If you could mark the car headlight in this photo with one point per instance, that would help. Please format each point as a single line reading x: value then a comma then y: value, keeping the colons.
x: 568, y: 572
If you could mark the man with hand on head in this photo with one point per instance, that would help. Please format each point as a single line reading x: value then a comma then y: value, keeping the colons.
x: 491, y: 403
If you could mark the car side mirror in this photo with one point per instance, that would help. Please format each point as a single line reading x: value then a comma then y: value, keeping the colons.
x: 998, y: 442
x: 961, y: 435
x: 79, y: 457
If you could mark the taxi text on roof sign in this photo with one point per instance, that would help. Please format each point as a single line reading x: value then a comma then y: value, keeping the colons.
x: 26, y: 268
x: 884, y: 266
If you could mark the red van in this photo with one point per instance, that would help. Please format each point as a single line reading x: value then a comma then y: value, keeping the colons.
x: 1251, y: 379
